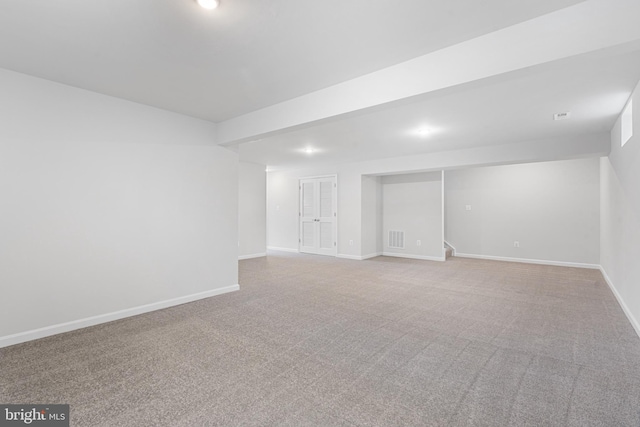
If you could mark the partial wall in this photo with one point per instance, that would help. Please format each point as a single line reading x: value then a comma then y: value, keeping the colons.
x: 354, y: 224
x: 372, y: 242
x: 108, y: 209
x: 412, y: 205
x: 252, y: 210
x: 620, y: 216
x: 545, y: 212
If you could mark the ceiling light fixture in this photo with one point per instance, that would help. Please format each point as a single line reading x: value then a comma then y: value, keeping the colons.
x: 309, y: 150
x: 424, y: 131
x: 209, y: 4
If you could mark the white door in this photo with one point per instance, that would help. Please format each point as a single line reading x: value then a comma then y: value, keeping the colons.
x: 318, y: 216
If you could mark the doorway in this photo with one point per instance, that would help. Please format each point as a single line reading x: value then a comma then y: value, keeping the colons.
x: 318, y: 216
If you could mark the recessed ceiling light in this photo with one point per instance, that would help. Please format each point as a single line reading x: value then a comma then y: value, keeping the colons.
x: 309, y: 150
x: 209, y: 4
x: 423, y: 131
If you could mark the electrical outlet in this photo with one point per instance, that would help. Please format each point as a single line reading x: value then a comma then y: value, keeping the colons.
x: 350, y: 242
x: 418, y: 243
x: 516, y: 244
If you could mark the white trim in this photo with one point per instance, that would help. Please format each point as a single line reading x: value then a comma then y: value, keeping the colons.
x: 369, y: 256
x: 627, y: 312
x: 108, y: 317
x: 453, y: 249
x: 337, y: 214
x: 359, y: 257
x: 345, y: 256
x: 241, y: 257
x: 273, y: 248
x: 331, y: 175
x: 421, y: 257
x: 444, y: 251
x: 530, y: 261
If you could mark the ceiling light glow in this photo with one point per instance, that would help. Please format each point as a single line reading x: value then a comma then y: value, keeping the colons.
x: 308, y: 150
x: 423, y: 131
x: 209, y: 4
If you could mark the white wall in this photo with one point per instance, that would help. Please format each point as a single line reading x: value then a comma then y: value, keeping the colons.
x: 550, y: 208
x: 620, y: 216
x: 413, y: 203
x: 252, y: 212
x: 283, y: 206
x: 372, y: 243
x: 108, y: 208
x: 282, y: 211
x: 282, y: 186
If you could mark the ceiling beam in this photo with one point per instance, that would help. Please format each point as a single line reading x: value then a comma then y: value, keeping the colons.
x: 588, y: 26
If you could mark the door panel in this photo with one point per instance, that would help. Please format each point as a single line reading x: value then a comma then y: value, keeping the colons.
x: 308, y: 235
x: 326, y: 235
x: 326, y: 199
x: 308, y: 200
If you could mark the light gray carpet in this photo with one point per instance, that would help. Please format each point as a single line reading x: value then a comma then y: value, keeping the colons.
x: 318, y: 341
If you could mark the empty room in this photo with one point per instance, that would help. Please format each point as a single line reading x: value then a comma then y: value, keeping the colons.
x: 302, y: 213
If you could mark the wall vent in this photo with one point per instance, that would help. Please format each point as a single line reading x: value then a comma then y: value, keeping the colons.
x: 396, y: 239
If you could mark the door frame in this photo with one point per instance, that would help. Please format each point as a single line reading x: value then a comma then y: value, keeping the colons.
x: 335, y: 204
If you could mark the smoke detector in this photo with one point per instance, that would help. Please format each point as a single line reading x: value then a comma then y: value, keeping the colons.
x: 561, y: 116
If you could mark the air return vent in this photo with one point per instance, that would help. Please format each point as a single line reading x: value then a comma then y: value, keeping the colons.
x: 396, y: 239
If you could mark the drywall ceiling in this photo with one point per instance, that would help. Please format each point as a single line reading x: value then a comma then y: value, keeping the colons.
x: 352, y: 80
x: 504, y: 109
x: 243, y: 56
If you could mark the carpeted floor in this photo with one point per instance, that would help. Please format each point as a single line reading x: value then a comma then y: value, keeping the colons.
x: 319, y: 341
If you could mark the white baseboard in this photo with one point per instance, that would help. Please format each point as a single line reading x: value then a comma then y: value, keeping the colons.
x: 345, y: 256
x: 626, y: 310
x: 358, y: 257
x: 260, y: 255
x: 421, y: 257
x: 108, y: 317
x: 530, y: 261
x: 369, y: 256
x: 273, y: 248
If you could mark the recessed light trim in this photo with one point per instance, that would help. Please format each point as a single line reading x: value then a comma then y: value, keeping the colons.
x: 309, y: 150
x: 209, y: 4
